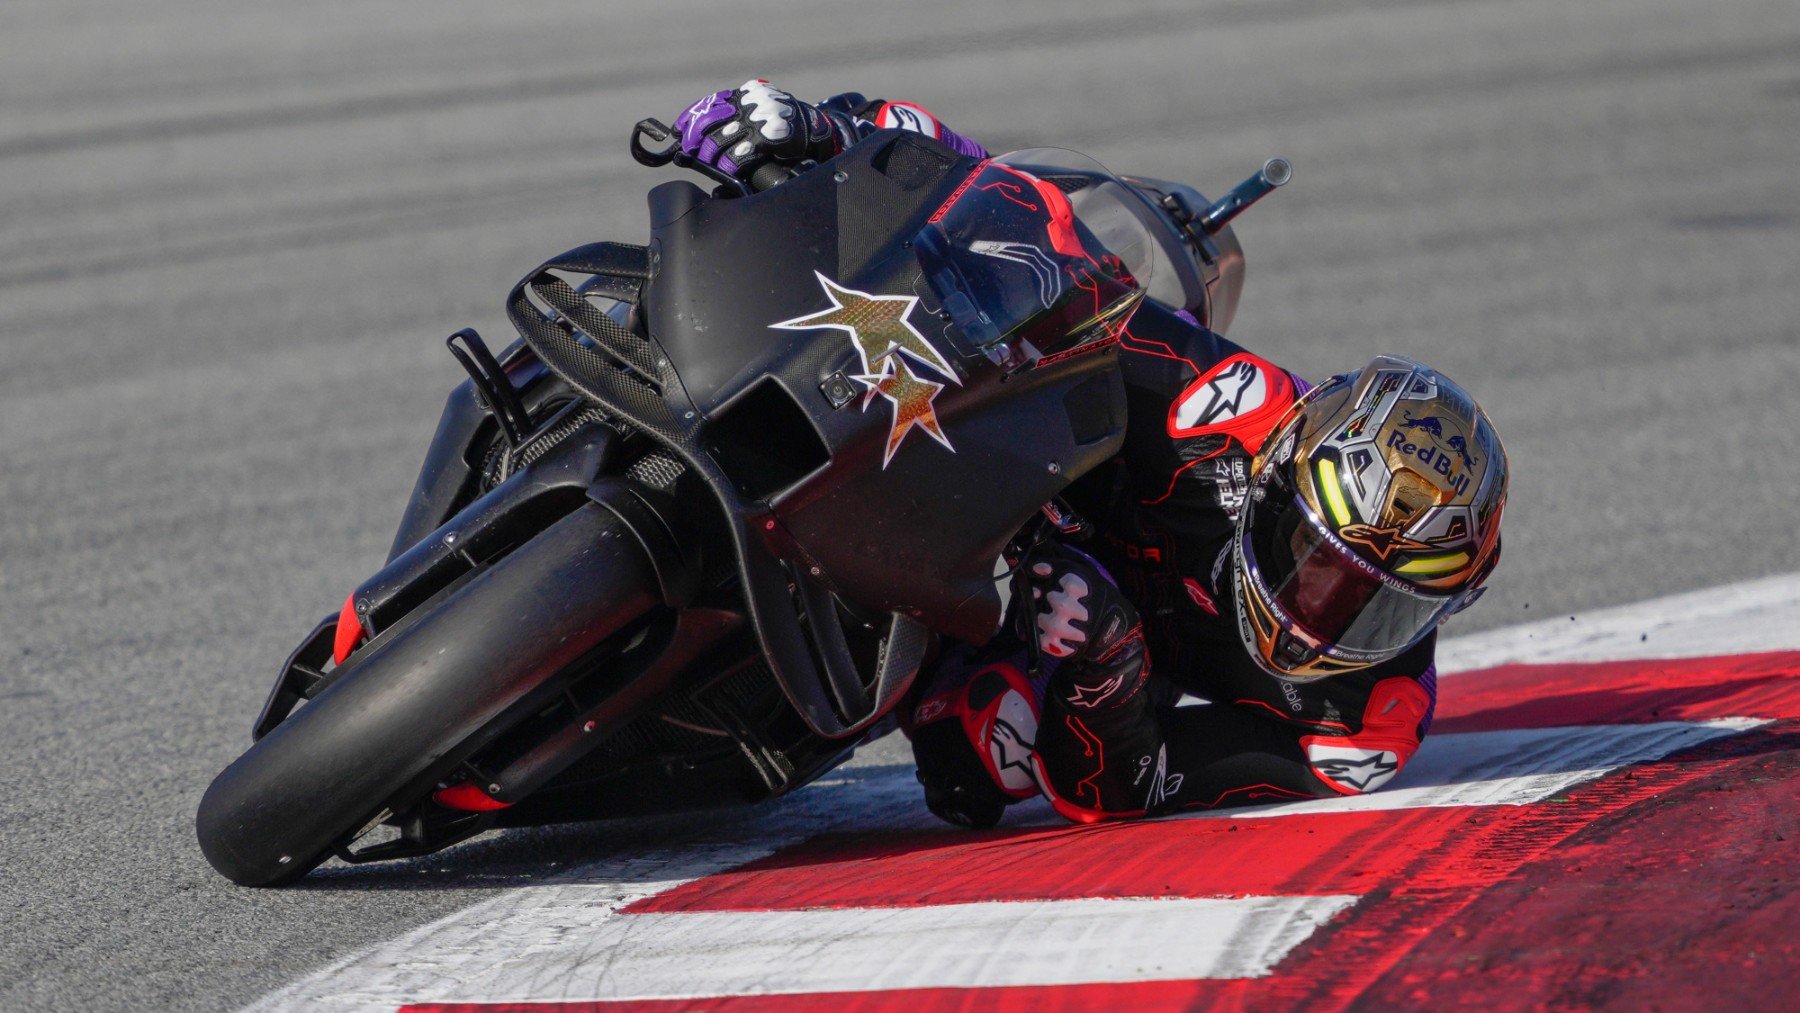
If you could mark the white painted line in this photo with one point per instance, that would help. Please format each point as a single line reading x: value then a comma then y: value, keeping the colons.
x: 499, y: 942
x: 1067, y: 942
x: 1760, y: 615
x: 1514, y: 767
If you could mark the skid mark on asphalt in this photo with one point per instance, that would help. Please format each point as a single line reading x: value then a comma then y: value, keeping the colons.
x: 852, y: 896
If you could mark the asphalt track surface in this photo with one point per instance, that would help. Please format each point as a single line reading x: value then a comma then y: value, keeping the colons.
x: 233, y: 236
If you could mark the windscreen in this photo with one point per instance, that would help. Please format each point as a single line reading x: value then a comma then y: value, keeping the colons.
x: 1036, y: 255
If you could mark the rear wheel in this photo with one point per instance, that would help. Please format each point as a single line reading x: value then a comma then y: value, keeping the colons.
x: 411, y: 707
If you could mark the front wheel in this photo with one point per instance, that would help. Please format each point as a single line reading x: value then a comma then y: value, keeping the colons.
x: 411, y: 708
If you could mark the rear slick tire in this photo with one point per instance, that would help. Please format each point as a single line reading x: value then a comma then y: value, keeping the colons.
x: 413, y: 707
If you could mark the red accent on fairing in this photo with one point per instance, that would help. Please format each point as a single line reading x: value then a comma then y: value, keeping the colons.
x: 1007, y: 190
x: 468, y: 798
x: 1092, y: 346
x: 1144, y: 346
x: 349, y: 631
x: 957, y: 194
x: 1252, y: 427
x: 1060, y: 224
x: 1062, y: 218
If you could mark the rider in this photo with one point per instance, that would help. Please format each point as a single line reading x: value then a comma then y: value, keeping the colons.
x: 1284, y: 553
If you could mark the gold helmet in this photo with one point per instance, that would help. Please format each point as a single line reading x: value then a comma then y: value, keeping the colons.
x: 1373, y: 515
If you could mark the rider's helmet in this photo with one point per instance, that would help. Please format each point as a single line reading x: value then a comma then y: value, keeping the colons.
x: 1373, y: 515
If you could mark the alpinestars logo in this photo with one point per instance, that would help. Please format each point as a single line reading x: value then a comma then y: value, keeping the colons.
x: 1093, y: 696
x: 885, y: 341
x: 1011, y: 746
x: 1236, y: 390
x: 1382, y: 542
x: 1357, y: 770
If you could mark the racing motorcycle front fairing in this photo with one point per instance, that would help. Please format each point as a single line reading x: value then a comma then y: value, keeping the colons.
x: 871, y: 452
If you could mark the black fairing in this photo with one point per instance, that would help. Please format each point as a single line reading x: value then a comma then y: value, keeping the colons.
x: 922, y: 534
x: 764, y: 415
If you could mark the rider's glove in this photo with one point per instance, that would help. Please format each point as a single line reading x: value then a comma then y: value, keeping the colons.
x: 1083, y: 624
x: 740, y: 130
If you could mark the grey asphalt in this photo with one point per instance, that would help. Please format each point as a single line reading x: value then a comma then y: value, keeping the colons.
x: 233, y: 236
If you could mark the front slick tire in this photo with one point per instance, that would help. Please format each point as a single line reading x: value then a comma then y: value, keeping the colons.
x: 412, y: 706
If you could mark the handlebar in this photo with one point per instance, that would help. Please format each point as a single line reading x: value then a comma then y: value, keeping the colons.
x: 769, y: 175
x: 1275, y: 173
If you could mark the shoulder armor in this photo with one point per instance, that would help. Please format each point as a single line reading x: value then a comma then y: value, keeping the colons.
x: 1242, y: 397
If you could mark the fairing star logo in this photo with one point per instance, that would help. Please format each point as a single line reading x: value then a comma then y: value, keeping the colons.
x: 884, y: 339
x: 911, y: 396
x: 878, y: 326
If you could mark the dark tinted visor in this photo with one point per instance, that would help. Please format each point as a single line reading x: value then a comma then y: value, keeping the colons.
x: 1322, y: 588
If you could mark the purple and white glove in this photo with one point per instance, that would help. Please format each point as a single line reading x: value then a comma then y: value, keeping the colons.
x: 1081, y: 620
x: 1075, y: 607
x: 739, y: 131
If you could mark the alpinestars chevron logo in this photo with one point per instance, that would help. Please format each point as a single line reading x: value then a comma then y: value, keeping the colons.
x: 885, y: 340
x: 1357, y: 769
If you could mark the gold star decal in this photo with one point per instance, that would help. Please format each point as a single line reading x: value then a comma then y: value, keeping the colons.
x: 878, y: 327
x: 911, y: 396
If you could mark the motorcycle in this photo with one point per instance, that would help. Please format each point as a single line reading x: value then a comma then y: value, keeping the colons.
x: 686, y: 543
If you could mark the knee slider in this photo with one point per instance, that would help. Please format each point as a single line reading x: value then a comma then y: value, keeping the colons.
x: 974, y: 746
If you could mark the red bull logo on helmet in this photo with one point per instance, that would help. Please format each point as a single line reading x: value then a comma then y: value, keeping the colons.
x: 1435, y: 460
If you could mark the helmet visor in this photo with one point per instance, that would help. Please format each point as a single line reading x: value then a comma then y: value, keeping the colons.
x: 1321, y: 591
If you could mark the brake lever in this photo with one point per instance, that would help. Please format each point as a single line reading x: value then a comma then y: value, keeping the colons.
x: 660, y: 132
